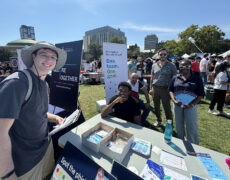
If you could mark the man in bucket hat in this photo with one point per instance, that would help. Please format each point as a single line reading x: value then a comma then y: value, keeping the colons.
x: 26, y: 150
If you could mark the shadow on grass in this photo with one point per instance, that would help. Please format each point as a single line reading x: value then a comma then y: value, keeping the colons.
x: 204, y: 102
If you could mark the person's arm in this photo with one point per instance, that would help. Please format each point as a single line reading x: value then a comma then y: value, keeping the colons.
x: 144, y: 89
x: 107, y: 109
x: 137, y: 119
x: 54, y: 118
x: 173, y: 99
x: 151, y: 85
x: 205, y: 67
x: 6, y: 161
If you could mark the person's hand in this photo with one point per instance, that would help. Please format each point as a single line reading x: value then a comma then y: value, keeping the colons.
x: 188, y: 106
x: 151, y: 91
x: 57, y: 119
x: 177, y: 103
x: 119, y: 100
x: 147, y: 105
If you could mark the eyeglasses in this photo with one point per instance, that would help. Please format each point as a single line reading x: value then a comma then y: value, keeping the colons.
x: 163, y: 54
x: 46, y: 57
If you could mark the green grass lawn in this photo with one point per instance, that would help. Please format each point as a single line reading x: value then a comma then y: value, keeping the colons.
x: 214, y: 131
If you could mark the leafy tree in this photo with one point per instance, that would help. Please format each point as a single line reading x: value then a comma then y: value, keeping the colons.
x: 117, y: 40
x: 5, y: 54
x: 133, y: 50
x: 95, y: 51
x: 208, y: 38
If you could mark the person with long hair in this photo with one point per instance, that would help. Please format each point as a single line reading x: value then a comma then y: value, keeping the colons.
x: 220, y: 87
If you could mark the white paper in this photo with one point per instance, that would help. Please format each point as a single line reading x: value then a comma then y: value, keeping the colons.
x: 156, y: 150
x: 66, y: 122
x: 173, y: 160
x: 147, y: 174
x: 174, y: 175
x: 102, y: 133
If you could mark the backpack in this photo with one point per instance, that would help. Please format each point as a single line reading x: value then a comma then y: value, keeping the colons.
x: 27, y: 74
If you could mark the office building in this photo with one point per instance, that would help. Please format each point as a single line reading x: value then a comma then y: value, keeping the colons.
x: 100, y: 35
x: 27, y: 32
x: 151, y: 42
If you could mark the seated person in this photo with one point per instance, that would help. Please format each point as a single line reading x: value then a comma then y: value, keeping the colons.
x: 136, y: 85
x: 125, y: 106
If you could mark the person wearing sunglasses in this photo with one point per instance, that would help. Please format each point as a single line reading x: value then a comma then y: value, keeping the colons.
x: 162, y: 73
x: 189, y: 86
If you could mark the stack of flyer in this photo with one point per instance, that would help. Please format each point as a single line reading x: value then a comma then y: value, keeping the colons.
x: 141, y: 146
x: 152, y: 171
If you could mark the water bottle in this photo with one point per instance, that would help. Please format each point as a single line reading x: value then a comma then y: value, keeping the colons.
x: 168, y: 131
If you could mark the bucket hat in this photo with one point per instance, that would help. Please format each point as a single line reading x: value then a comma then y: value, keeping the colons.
x: 27, y: 54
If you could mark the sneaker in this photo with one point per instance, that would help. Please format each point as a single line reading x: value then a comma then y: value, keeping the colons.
x: 157, y: 124
x: 223, y: 113
x: 212, y: 112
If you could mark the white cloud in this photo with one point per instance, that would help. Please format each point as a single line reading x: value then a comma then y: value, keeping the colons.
x: 150, y: 28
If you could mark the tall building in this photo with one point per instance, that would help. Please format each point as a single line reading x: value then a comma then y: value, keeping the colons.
x: 27, y: 32
x: 151, y: 42
x: 100, y: 35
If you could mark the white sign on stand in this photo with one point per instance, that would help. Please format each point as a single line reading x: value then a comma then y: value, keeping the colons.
x: 114, y: 67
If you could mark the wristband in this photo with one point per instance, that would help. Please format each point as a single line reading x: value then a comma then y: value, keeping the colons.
x: 7, y: 175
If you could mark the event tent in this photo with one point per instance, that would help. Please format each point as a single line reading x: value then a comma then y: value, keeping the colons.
x: 185, y: 56
x: 225, y: 53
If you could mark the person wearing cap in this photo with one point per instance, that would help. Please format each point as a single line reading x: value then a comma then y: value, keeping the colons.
x: 219, y: 60
x: 162, y: 73
x: 185, y: 113
x: 26, y: 150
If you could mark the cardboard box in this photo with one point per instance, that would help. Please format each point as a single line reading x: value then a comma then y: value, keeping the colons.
x: 112, y: 154
x: 91, y: 145
x: 100, y: 105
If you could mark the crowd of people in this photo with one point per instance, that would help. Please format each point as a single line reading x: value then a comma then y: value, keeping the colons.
x: 5, y: 70
x: 26, y: 150
x: 168, y: 79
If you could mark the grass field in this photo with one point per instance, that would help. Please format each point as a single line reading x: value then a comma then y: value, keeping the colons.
x: 214, y: 131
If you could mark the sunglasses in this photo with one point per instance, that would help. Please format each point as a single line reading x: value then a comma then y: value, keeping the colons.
x: 184, y: 67
x: 163, y: 54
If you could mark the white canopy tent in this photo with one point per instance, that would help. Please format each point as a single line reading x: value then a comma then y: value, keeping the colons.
x: 185, y: 56
x: 225, y: 53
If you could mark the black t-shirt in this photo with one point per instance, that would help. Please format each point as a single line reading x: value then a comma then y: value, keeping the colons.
x: 126, y: 110
x: 29, y: 132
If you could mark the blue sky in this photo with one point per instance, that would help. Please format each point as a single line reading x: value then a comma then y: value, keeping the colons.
x: 59, y: 21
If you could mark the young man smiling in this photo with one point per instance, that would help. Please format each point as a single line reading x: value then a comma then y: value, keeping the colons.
x: 125, y: 106
x: 26, y: 150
